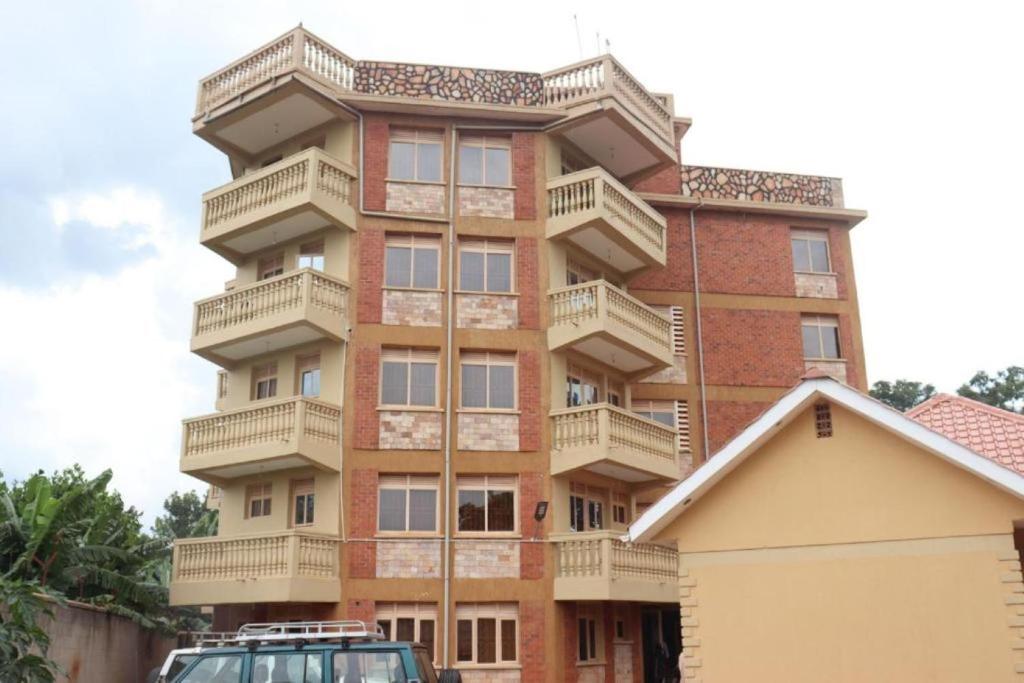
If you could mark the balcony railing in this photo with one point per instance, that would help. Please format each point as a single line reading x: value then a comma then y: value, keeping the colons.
x: 596, y: 565
x: 282, y: 566
x: 605, y: 77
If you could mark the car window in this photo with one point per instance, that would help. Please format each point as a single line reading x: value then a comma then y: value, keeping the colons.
x: 287, y: 667
x: 215, y: 669
x: 424, y: 667
x: 179, y: 664
x: 369, y: 667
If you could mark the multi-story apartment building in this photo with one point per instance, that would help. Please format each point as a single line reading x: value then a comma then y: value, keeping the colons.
x: 480, y: 319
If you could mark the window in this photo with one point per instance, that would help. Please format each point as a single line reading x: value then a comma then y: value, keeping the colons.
x: 270, y: 266
x: 312, y: 255
x: 583, y: 388
x: 823, y: 420
x: 407, y: 503
x: 302, y: 502
x: 487, y: 504
x: 616, y: 393
x: 576, y: 273
x: 412, y: 261
x: 270, y: 160
x: 620, y: 508
x: 620, y: 629
x: 569, y: 163
x: 264, y: 381
x: 226, y: 668
x: 379, y: 666
x: 488, y: 380
x: 586, y: 507
x: 409, y: 622
x: 307, y: 368
x: 408, y: 377
x: 659, y: 411
x: 587, y: 636
x: 222, y: 384
x: 415, y: 155
x: 485, y: 266
x: 821, y: 336
x: 286, y: 666
x: 486, y: 633
x: 257, y: 500
x: 810, y: 251
x: 595, y: 514
x: 485, y: 161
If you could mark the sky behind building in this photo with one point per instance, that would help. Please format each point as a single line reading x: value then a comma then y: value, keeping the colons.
x: 916, y: 107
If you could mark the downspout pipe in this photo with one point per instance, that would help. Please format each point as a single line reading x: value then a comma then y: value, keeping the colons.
x: 700, y: 336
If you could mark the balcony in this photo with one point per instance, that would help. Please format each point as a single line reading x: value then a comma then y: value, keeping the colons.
x: 612, y: 117
x: 304, y: 192
x: 287, y: 566
x: 596, y: 565
x: 608, y: 440
x: 603, y: 322
x: 601, y: 216
x: 269, y: 435
x: 295, y: 308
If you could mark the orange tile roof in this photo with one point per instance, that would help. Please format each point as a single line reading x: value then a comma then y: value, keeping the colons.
x: 993, y: 432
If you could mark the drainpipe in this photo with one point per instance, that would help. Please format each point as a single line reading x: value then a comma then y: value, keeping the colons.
x: 449, y: 357
x: 700, y: 338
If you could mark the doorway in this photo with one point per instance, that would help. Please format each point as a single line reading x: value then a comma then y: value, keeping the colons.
x: 661, y: 643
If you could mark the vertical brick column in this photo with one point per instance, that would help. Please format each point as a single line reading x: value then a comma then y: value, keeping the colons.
x: 531, y: 640
x: 371, y: 275
x: 531, y: 555
x: 524, y: 176
x: 362, y: 555
x: 677, y: 275
x: 529, y: 401
x: 569, y: 644
x: 375, y: 164
x: 528, y: 279
x: 367, y: 422
x: 363, y: 610
x: 849, y: 352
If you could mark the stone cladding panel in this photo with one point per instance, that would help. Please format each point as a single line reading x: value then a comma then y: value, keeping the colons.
x: 423, y: 81
x: 488, y: 432
x: 487, y: 311
x: 416, y: 198
x: 478, y: 559
x: 486, y: 202
x: 760, y: 186
x: 410, y: 430
x: 413, y: 559
x: 418, y: 309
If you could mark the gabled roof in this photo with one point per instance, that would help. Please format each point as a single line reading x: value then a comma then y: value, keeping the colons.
x: 787, y: 408
x: 993, y: 432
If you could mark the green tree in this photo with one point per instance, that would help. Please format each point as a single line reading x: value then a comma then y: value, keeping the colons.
x: 1005, y: 390
x: 902, y: 394
x: 185, y: 516
x: 23, y: 642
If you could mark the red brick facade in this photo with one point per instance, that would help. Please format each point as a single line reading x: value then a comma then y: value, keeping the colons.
x: 531, y: 555
x: 530, y: 426
x: 744, y: 254
x: 524, y: 166
x: 532, y: 630
x: 727, y: 418
x: 366, y: 433
x: 371, y: 275
x: 527, y: 274
x: 677, y: 275
x: 362, y: 555
x: 756, y: 348
x: 375, y: 164
x: 363, y: 610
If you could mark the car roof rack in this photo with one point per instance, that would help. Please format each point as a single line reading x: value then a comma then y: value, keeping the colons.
x: 292, y: 631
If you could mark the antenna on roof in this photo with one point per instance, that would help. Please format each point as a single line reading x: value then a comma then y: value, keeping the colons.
x: 607, y: 46
x: 579, y: 43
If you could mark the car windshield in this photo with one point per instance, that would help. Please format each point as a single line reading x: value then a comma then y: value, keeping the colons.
x: 369, y: 667
x: 178, y: 664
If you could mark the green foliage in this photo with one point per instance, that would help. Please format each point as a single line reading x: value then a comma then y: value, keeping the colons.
x: 1005, y: 390
x: 902, y: 394
x: 23, y: 642
x: 184, y: 511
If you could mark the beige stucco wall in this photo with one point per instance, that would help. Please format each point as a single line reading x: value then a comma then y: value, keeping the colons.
x: 853, y: 558
x: 240, y: 384
x: 233, y: 521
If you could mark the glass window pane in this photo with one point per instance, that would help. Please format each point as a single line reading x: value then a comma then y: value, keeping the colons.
x: 430, y: 162
x: 666, y: 419
x: 425, y: 270
x: 819, y: 256
x: 486, y: 647
x: 471, y: 271
x: 422, y: 510
x: 386, y: 627
x: 397, y: 266
x: 830, y: 338
x: 801, y: 261
x: 508, y: 640
x: 499, y: 272
x: 314, y: 667
x: 474, y: 386
x: 497, y: 167
x: 464, y: 640
x: 392, y: 510
x: 574, y: 395
x: 596, y: 515
x: 427, y: 636
x: 471, y: 510
x: 812, y: 346
x: 311, y: 382
x: 378, y: 667
x: 226, y: 669
x: 394, y: 384
x: 402, y: 161
x: 576, y: 513
x: 502, y: 386
x: 309, y: 508
x: 471, y: 165
x: 500, y: 511
x: 424, y: 375
x: 405, y: 630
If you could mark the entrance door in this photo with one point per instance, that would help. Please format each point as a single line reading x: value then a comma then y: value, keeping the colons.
x: 661, y: 643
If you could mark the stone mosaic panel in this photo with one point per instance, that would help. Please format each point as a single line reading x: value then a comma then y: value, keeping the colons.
x: 590, y: 674
x: 410, y: 430
x: 487, y: 202
x: 486, y: 311
x: 674, y: 374
x: 623, y: 662
x: 489, y: 675
x: 488, y: 432
x: 420, y: 309
x: 417, y: 198
x: 426, y: 81
x: 835, y: 369
x: 816, y: 285
x: 761, y: 186
x: 409, y: 559
x: 486, y: 560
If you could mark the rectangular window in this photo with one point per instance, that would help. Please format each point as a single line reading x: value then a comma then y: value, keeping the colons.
x: 821, y: 336
x: 586, y: 507
x: 270, y: 266
x: 308, y: 370
x: 408, y: 377
x: 810, y: 251
x: 620, y: 508
x: 264, y: 381
x: 659, y: 411
x: 576, y: 273
x: 486, y: 633
x: 409, y: 622
x: 222, y: 384
x: 312, y: 255
x: 577, y: 522
x: 412, y: 261
x: 303, y: 500
x: 488, y: 380
x: 415, y: 155
x: 257, y: 500
x: 583, y: 388
x: 485, y: 160
x: 407, y: 503
x: 487, y: 504
x: 587, y: 636
x: 485, y: 265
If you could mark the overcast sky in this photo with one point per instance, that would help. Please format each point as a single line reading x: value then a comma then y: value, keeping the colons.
x: 918, y: 110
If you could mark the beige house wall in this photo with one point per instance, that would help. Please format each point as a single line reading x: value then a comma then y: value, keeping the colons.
x: 336, y: 255
x: 240, y: 385
x: 234, y: 520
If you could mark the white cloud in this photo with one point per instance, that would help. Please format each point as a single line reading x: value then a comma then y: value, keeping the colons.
x: 99, y: 371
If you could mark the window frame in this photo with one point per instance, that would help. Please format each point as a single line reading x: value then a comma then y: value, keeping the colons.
x: 408, y: 355
x: 264, y: 372
x: 487, y: 247
x: 585, y: 377
x: 820, y: 322
x: 488, y: 360
x: 262, y: 491
x: 408, y: 483
x: 417, y: 137
x: 589, y: 623
x: 308, y: 362
x: 413, y: 242
x: 485, y: 143
x: 807, y: 237
x: 311, y: 250
x: 500, y: 613
x: 488, y: 483
x: 302, y: 488
x: 419, y: 612
x: 269, y: 266
x: 646, y: 408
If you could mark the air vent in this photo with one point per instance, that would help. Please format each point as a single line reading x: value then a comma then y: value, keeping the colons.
x: 823, y: 420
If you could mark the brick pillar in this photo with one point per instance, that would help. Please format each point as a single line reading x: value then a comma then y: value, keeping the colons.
x: 528, y: 279
x: 529, y: 401
x: 362, y: 555
x: 371, y: 275
x: 363, y: 610
x: 531, y: 640
x: 531, y: 555
x: 375, y: 165
x: 524, y: 176
x: 367, y: 427
x: 570, y: 647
